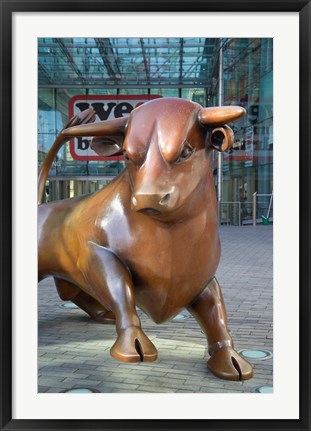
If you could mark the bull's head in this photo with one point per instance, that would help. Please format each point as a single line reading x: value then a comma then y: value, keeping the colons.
x: 166, y: 144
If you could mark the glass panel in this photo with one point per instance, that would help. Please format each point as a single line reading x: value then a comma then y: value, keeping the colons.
x: 195, y: 94
x: 165, y: 92
x: 133, y: 91
x: 102, y: 91
x: 248, y: 167
x: 46, y: 118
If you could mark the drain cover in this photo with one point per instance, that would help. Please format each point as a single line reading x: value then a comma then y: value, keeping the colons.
x: 81, y: 391
x: 264, y: 389
x: 258, y: 354
x: 69, y: 304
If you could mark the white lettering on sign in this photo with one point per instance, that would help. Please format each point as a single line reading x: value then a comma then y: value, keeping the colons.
x: 106, y: 108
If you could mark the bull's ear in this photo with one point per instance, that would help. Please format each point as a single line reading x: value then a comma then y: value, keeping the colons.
x: 107, y: 146
x: 220, y: 115
x: 221, y: 138
x: 115, y: 127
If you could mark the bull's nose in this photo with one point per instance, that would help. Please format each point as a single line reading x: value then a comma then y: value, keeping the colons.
x: 150, y: 201
x: 165, y: 199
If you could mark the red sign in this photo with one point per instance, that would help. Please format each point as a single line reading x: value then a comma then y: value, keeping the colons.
x: 106, y: 107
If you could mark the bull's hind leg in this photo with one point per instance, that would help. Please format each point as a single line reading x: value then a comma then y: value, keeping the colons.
x: 112, y: 285
x: 210, y: 312
x: 70, y: 292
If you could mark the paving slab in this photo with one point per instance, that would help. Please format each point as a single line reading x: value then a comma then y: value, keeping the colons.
x: 73, y: 350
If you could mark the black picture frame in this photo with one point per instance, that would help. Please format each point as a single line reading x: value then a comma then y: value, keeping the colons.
x: 7, y: 9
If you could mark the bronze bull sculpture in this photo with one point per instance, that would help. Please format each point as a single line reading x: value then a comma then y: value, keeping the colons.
x: 151, y: 236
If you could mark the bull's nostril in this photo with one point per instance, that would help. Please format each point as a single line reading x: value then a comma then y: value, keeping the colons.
x: 134, y: 201
x: 165, y: 199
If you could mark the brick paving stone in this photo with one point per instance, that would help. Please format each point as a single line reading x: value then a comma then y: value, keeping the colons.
x: 73, y: 351
x: 54, y: 390
x: 76, y: 375
x: 152, y: 389
x: 118, y: 387
x: 71, y: 382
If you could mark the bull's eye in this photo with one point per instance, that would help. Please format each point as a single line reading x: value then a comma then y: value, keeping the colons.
x: 126, y: 156
x: 186, y: 153
x: 132, y: 158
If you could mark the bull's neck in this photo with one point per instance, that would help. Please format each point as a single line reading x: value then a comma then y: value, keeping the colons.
x: 203, y: 201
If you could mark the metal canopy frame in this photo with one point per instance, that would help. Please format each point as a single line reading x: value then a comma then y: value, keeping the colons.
x: 126, y: 62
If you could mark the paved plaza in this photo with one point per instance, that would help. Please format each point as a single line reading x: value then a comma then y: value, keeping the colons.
x: 73, y: 350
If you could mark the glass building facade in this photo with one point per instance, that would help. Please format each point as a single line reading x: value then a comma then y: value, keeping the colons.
x: 248, y: 166
x: 118, y: 71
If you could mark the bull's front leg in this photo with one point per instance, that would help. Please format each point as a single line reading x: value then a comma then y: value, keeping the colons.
x: 111, y: 284
x: 210, y: 312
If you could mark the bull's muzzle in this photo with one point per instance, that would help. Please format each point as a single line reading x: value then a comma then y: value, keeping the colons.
x: 153, y: 203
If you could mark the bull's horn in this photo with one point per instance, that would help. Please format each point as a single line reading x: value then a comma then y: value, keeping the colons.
x: 220, y: 115
x: 102, y: 128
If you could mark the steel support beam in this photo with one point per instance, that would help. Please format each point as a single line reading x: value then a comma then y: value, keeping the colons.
x: 109, y: 58
x: 70, y: 60
x: 147, y: 67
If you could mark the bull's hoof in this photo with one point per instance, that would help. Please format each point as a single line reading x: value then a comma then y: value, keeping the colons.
x: 133, y: 345
x: 105, y: 317
x: 227, y: 364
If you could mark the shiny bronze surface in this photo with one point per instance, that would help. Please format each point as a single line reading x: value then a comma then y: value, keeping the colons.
x: 151, y: 236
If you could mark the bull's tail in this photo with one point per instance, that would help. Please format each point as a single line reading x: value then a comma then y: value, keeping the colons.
x: 87, y: 116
